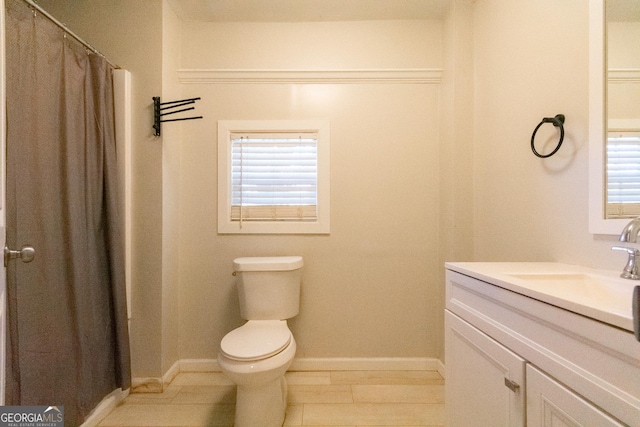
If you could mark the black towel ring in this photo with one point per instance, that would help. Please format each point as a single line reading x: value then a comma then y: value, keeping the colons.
x: 558, y: 121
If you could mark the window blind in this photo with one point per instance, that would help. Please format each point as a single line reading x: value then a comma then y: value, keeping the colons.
x: 274, y: 177
x: 623, y: 174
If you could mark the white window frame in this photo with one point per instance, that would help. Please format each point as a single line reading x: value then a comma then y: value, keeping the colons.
x: 225, y: 224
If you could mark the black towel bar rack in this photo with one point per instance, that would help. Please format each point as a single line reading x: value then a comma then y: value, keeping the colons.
x: 159, y: 107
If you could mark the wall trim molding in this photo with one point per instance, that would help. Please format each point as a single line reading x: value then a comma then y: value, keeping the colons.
x: 623, y: 75
x: 311, y: 76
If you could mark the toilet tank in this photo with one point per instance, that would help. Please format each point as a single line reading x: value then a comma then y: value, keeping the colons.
x: 268, y: 287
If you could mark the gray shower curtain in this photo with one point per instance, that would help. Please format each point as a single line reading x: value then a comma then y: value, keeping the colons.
x: 67, y: 323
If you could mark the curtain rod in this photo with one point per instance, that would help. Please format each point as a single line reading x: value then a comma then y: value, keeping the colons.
x: 68, y: 31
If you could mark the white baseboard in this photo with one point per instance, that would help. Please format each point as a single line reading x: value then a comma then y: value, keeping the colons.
x: 365, y: 364
x: 440, y: 368
x: 105, y: 407
x: 146, y: 385
x: 156, y: 385
x: 199, y: 365
x: 171, y: 373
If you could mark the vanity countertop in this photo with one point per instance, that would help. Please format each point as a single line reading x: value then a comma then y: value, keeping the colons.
x: 598, y: 294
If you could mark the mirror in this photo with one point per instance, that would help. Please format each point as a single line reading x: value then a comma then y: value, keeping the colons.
x: 614, y: 122
x: 622, y: 50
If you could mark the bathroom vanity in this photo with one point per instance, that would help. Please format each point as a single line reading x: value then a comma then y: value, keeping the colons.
x: 539, y: 344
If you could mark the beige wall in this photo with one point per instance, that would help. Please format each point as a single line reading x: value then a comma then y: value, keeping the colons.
x: 455, y: 146
x: 456, y: 137
x: 373, y: 288
x: 171, y: 177
x: 531, y: 61
x: 368, y: 288
x: 623, y: 52
x: 313, y: 45
x: 622, y: 44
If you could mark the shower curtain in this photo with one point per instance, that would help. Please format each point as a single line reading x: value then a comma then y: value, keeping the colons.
x: 67, y: 339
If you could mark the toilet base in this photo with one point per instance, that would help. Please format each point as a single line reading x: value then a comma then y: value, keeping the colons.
x: 263, y: 405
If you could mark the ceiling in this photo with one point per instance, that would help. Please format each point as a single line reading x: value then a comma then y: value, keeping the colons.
x: 305, y: 10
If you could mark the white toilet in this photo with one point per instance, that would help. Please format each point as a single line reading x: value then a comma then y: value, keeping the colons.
x: 256, y: 355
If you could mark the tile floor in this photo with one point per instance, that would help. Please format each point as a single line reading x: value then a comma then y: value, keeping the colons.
x: 336, y: 398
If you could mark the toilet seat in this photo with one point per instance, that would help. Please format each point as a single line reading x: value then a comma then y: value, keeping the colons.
x: 256, y: 340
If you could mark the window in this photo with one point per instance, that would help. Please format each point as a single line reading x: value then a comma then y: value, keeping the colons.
x: 273, y: 177
x: 623, y: 174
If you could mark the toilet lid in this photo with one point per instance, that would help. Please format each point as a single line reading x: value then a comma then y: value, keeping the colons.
x: 256, y: 339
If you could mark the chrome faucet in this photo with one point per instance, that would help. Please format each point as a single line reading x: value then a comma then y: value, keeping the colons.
x: 630, y: 234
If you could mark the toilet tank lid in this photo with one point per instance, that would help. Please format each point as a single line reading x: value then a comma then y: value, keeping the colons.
x: 281, y: 263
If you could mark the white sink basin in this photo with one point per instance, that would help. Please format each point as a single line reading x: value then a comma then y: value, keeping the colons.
x: 600, y: 292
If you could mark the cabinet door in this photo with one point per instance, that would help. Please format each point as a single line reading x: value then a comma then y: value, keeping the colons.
x: 551, y: 404
x: 484, y: 383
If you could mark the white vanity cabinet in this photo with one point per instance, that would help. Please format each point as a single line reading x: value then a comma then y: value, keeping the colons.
x: 476, y: 391
x: 514, y: 360
x: 550, y: 404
